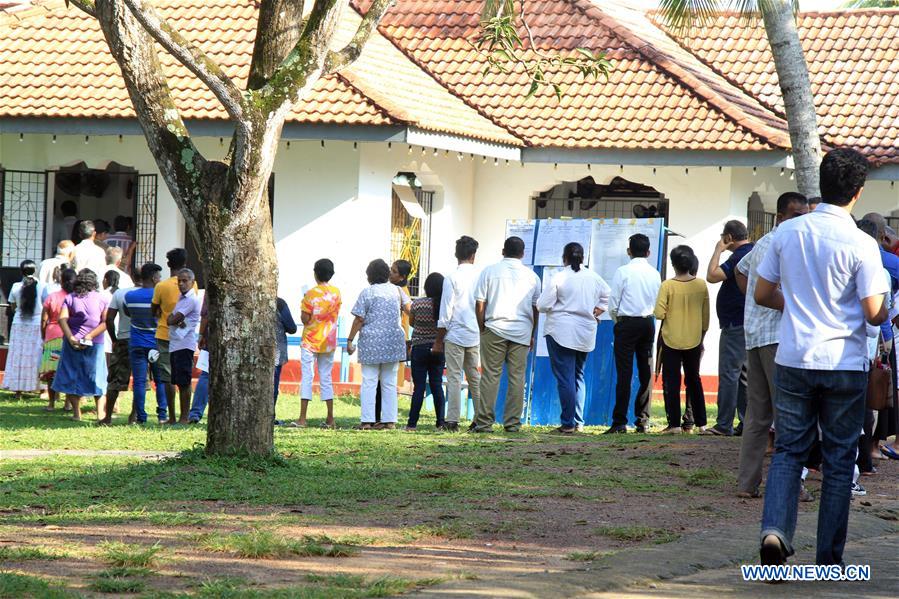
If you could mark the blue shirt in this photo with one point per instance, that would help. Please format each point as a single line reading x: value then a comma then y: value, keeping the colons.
x: 891, y: 264
x: 731, y: 301
x: 143, y: 323
x: 825, y: 266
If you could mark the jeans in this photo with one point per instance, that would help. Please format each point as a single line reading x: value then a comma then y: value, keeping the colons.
x: 139, y: 363
x: 731, y: 392
x: 277, y: 389
x: 633, y: 336
x: 568, y: 368
x: 201, y: 398
x: 427, y: 370
x: 672, y: 360
x: 803, y: 400
x: 383, y: 377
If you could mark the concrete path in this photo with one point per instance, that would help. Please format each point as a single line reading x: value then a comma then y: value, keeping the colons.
x: 706, y: 564
x: 33, y: 454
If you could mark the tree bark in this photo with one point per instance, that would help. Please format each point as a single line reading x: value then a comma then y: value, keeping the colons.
x: 796, y: 89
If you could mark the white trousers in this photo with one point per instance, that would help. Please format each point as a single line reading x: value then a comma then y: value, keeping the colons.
x: 325, y: 363
x: 372, y: 374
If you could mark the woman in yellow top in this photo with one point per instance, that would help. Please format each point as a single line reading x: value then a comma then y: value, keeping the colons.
x: 683, y: 306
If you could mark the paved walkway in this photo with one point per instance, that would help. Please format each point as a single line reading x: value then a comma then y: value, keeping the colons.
x: 33, y: 454
x: 706, y: 564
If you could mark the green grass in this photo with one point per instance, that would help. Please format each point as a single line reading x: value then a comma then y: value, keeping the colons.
x: 264, y: 544
x: 21, y: 554
x: 586, y: 556
x: 637, y: 534
x: 21, y: 586
x: 124, y: 555
x: 105, y: 584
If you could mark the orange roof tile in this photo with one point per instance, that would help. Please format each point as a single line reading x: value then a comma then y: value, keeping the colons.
x: 853, y: 61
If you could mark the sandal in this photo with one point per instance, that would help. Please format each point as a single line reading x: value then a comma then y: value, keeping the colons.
x: 889, y: 452
x: 564, y: 431
x: 295, y: 424
x: 328, y: 427
x: 363, y: 426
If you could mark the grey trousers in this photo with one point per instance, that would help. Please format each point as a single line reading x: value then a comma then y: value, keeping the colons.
x: 759, y: 416
x: 460, y: 359
x: 495, y: 352
x: 731, y: 392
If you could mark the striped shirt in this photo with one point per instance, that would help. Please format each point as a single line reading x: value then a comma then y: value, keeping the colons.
x: 139, y: 303
x: 761, y: 325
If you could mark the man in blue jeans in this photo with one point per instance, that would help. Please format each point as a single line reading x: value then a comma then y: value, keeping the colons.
x: 732, y: 343
x: 831, y: 282
x: 138, y: 306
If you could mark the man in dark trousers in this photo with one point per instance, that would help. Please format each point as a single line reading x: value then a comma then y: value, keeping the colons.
x: 635, y: 288
x: 732, y: 343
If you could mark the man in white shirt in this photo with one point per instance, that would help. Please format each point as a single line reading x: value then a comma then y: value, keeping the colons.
x: 827, y: 278
x: 88, y: 254
x: 113, y: 260
x: 506, y: 310
x: 760, y: 326
x: 458, y: 334
x: 62, y: 260
x: 635, y: 288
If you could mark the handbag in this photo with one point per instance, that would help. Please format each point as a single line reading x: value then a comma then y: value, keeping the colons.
x: 880, y: 381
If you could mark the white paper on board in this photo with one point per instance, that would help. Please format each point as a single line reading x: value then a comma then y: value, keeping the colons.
x: 524, y: 229
x: 554, y: 234
x: 608, y: 251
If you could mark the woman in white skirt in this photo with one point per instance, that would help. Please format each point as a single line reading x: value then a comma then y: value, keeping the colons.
x: 23, y: 361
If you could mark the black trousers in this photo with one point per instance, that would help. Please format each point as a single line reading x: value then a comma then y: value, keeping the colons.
x: 633, y: 337
x: 672, y: 361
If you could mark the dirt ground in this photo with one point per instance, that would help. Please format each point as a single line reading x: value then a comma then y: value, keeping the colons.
x: 485, y: 539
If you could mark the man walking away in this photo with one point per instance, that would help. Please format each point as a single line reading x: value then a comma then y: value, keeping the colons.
x: 62, y: 259
x: 732, y: 344
x: 635, y: 288
x: 142, y: 342
x: 88, y: 254
x: 830, y: 283
x: 506, y: 309
x: 457, y: 332
x: 760, y: 327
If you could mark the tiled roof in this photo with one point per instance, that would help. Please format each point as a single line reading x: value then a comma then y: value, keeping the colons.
x: 54, y: 62
x: 853, y: 62
x: 651, y: 100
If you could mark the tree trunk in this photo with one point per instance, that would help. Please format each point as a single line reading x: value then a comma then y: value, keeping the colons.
x: 242, y: 283
x: 796, y: 89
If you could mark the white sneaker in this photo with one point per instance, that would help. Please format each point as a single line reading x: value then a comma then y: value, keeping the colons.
x: 858, y: 490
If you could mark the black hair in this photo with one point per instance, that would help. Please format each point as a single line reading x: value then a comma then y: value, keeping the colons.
x: 694, y: 265
x: 85, y: 229
x: 120, y: 223
x: 814, y: 200
x: 869, y: 227
x: 682, y: 258
x: 67, y: 279
x: 790, y: 197
x: 85, y: 282
x: 736, y: 230
x: 404, y: 267
x: 573, y: 255
x: 513, y: 247
x: 57, y: 272
x: 28, y: 294
x: 377, y: 272
x: 68, y: 208
x: 111, y: 280
x: 76, y: 232
x: 101, y: 226
x: 466, y: 248
x: 176, y: 258
x: 323, y: 269
x: 638, y: 244
x: 843, y: 173
x: 149, y: 270
x: 434, y: 290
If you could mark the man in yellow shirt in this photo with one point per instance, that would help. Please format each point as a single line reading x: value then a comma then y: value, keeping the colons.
x: 165, y: 296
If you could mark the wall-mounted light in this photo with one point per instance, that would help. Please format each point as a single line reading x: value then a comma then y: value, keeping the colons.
x: 782, y: 171
x: 120, y: 138
x: 754, y: 171
x: 21, y: 137
x: 389, y: 146
x: 87, y: 139
x: 323, y: 144
x: 53, y: 139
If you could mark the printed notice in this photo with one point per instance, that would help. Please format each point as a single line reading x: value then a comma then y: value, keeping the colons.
x: 525, y: 230
x: 554, y: 234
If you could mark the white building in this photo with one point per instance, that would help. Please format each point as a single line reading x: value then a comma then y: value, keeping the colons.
x: 695, y: 133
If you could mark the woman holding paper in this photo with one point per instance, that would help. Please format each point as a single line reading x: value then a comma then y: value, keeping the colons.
x: 82, y: 366
x: 573, y: 300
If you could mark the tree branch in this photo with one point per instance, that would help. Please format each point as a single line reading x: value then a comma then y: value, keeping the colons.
x: 278, y: 28
x: 180, y: 163
x: 84, y: 5
x: 347, y: 55
x: 188, y: 54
